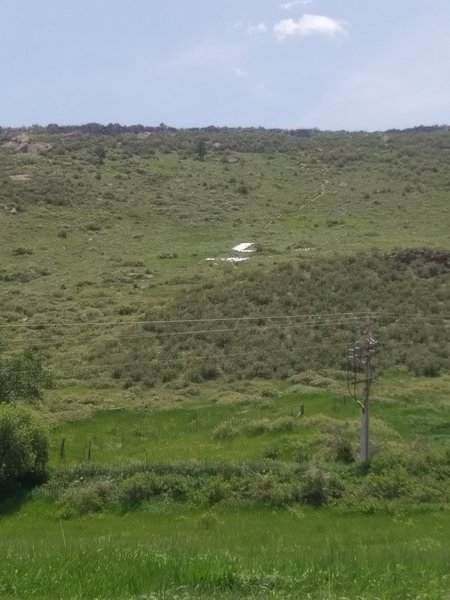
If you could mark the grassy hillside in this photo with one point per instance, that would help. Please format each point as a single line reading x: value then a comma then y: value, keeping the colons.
x: 203, y: 442
x: 235, y: 325
x: 103, y: 226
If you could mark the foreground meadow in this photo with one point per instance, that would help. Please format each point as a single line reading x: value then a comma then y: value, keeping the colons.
x: 234, y: 494
x: 170, y: 550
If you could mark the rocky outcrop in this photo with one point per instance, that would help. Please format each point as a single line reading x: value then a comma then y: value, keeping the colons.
x: 23, y: 143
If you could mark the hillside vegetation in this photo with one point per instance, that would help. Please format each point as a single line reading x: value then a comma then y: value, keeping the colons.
x: 233, y: 326
x: 110, y: 224
x: 203, y: 439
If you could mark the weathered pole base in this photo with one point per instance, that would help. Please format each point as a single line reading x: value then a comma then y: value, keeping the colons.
x: 364, y: 436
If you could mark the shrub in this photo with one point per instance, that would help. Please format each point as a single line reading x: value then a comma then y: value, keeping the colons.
x: 319, y: 487
x: 226, y: 431
x: 23, y: 377
x: 340, y: 443
x: 344, y: 451
x: 271, y: 453
x: 258, y: 427
x: 23, y: 446
x: 312, y: 378
x: 95, y: 227
x: 21, y: 251
x: 138, y: 488
x: 284, y: 424
x: 301, y: 450
x: 386, y: 486
x: 175, y: 487
x: 218, y: 489
x: 266, y: 489
x: 86, y: 499
x: 208, y: 520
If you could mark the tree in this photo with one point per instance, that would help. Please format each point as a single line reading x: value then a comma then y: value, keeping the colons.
x: 201, y: 149
x: 23, y: 447
x: 23, y: 377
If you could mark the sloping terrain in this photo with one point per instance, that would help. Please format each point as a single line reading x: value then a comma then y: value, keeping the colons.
x: 110, y: 224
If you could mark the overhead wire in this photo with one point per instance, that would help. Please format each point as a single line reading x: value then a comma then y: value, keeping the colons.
x: 191, y: 359
x: 185, y: 353
x: 45, y: 341
x: 365, y: 314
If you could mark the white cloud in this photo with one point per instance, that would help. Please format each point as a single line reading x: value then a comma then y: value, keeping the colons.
x: 309, y: 25
x: 239, y: 72
x: 259, y: 28
x: 294, y: 3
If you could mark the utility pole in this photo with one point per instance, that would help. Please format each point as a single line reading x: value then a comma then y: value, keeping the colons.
x: 360, y: 363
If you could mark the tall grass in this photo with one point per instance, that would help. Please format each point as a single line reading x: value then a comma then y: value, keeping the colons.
x: 308, y: 554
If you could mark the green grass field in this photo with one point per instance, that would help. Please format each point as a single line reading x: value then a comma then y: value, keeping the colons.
x: 172, y: 551
x: 180, y: 463
x: 184, y: 431
x: 232, y: 548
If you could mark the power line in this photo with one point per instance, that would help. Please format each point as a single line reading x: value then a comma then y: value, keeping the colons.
x: 171, y: 321
x: 49, y: 342
x: 142, y: 336
x: 149, y: 336
x: 80, y: 323
x: 183, y: 357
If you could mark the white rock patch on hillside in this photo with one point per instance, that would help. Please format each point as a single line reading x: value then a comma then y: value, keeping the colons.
x: 244, y: 247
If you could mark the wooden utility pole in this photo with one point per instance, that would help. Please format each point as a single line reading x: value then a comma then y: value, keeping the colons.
x: 360, y: 363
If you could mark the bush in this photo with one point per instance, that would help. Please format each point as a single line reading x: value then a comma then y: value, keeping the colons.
x: 319, y: 488
x: 92, y: 497
x: 23, y: 377
x: 226, y: 431
x: 218, y: 489
x: 312, y: 379
x: 208, y: 520
x: 23, y: 447
x: 258, y: 427
x: 21, y: 251
x: 344, y: 450
x: 139, y: 488
x: 284, y: 424
x: 267, y: 490
x: 388, y: 485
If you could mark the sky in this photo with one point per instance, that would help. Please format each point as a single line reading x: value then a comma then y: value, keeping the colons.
x: 331, y: 64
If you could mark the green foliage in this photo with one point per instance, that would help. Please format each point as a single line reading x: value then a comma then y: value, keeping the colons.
x: 138, y: 488
x: 389, y: 485
x: 344, y: 450
x: 23, y: 446
x: 261, y: 426
x: 23, y: 377
x: 226, y: 430
x: 392, y: 287
x: 319, y: 488
x: 217, y: 489
x: 81, y: 500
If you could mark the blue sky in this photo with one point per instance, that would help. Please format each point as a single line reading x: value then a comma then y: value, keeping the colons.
x: 332, y: 64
